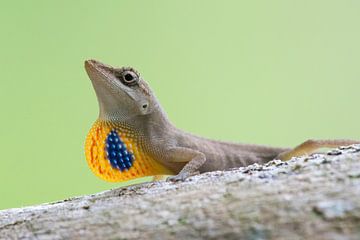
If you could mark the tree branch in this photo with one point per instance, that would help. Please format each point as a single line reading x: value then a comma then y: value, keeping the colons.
x: 316, y: 197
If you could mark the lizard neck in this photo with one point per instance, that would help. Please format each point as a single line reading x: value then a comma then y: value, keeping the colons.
x: 151, y: 124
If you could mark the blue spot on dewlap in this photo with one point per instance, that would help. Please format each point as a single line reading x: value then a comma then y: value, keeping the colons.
x: 117, y: 153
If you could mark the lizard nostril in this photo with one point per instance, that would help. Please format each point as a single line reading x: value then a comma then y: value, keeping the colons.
x: 144, y: 106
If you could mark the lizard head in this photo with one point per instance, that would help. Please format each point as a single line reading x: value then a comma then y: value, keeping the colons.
x: 122, y: 94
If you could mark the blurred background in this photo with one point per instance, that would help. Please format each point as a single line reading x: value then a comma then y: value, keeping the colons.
x: 266, y: 72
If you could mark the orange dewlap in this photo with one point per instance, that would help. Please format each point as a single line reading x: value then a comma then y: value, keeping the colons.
x: 96, y: 155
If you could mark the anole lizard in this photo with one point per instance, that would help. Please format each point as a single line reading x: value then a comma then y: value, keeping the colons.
x: 134, y: 138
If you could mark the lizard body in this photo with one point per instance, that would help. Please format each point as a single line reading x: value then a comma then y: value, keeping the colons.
x: 134, y: 138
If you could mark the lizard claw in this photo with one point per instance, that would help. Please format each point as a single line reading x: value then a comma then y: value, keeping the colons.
x: 176, y: 178
x: 181, y: 177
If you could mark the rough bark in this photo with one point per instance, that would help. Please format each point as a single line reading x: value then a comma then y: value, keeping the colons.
x: 316, y: 197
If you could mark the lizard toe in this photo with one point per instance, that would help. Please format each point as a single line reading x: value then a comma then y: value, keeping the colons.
x: 181, y: 177
x: 176, y: 178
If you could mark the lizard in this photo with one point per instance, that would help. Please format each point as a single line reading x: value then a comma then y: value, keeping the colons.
x: 133, y: 136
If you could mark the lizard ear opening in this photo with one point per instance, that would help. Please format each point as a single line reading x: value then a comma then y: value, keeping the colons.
x: 145, y: 108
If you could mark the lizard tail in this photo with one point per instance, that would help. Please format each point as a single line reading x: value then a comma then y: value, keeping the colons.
x: 310, y: 146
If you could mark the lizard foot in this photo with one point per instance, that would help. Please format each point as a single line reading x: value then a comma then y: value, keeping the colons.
x: 181, y: 177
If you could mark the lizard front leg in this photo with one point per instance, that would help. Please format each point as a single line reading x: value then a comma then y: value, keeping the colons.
x: 193, y: 159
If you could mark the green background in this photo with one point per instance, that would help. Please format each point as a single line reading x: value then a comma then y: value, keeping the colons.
x: 267, y: 72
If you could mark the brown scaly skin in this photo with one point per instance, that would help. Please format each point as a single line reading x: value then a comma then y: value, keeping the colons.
x: 132, y: 102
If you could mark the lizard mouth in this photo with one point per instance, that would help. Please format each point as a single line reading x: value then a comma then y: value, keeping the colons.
x: 94, y: 67
x: 103, y: 75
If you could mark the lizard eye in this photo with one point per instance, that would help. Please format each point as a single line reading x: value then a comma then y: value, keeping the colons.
x: 129, y: 78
